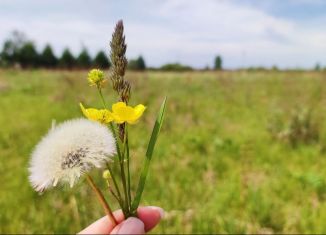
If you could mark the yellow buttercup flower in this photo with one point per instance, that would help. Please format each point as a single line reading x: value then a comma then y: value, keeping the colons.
x: 96, y: 78
x: 123, y: 113
x: 100, y: 115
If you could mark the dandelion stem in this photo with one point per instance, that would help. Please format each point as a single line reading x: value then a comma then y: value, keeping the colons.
x: 102, y: 200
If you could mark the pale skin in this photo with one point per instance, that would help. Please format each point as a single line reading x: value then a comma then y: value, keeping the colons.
x: 147, y: 218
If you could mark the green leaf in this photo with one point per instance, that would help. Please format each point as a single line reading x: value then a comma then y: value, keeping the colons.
x: 149, y: 154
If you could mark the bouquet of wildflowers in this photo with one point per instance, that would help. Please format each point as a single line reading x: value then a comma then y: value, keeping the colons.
x: 73, y: 148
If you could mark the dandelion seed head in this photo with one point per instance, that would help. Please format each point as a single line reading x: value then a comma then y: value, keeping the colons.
x: 69, y: 150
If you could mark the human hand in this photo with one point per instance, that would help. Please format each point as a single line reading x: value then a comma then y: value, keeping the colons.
x: 148, y: 218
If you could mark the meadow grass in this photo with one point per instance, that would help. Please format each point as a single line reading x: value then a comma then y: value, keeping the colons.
x: 216, y: 168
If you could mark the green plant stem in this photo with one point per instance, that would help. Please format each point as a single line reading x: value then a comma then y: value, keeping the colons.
x: 113, y: 193
x: 118, y: 196
x: 102, y: 200
x: 128, y: 165
x: 149, y: 154
x: 116, y: 140
x: 101, y: 95
x: 111, y: 125
x: 126, y: 207
x: 123, y: 175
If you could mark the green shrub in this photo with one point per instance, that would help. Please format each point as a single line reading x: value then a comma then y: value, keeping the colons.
x: 300, y: 127
x: 176, y: 67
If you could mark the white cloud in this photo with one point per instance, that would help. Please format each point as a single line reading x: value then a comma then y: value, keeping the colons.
x: 189, y: 31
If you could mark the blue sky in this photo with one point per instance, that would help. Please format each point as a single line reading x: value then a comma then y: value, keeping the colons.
x: 288, y: 33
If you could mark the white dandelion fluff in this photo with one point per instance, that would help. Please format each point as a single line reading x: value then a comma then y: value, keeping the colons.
x: 69, y: 150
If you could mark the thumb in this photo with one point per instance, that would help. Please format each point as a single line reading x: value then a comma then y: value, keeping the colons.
x: 130, y: 226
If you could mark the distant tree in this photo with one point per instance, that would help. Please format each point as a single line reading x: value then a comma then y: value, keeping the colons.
x: 176, y: 67
x: 218, y: 63
x: 11, y: 46
x: 137, y: 64
x: 317, y: 67
x: 67, y: 60
x: 101, y: 60
x: 256, y: 69
x: 141, y: 63
x: 84, y: 60
x: 47, y: 58
x: 8, y: 53
x: 132, y: 64
x: 28, y: 56
x: 206, y: 68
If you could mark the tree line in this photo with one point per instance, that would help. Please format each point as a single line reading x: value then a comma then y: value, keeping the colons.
x: 18, y: 51
x: 21, y: 52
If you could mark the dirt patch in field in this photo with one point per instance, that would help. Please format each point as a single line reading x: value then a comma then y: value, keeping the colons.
x: 4, y: 86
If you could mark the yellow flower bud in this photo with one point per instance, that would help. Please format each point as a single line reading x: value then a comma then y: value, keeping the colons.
x: 95, y: 77
x: 106, y: 174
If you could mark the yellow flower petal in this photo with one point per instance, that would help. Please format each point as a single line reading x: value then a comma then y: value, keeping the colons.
x: 132, y: 122
x: 102, y: 115
x: 139, y: 110
x: 117, y: 106
x: 123, y: 113
x: 106, y: 115
x: 83, y: 109
x: 91, y: 114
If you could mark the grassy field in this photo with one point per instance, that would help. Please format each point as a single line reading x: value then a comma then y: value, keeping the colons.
x: 216, y: 168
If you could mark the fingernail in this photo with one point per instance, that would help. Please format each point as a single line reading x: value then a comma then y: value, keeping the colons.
x: 132, y: 226
x: 159, y: 209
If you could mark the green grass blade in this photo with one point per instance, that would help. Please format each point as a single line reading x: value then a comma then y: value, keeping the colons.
x: 149, y: 154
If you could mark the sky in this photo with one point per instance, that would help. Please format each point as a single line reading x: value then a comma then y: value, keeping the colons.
x: 284, y: 33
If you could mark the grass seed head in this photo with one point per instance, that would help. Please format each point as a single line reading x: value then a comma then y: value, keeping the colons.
x: 119, y: 62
